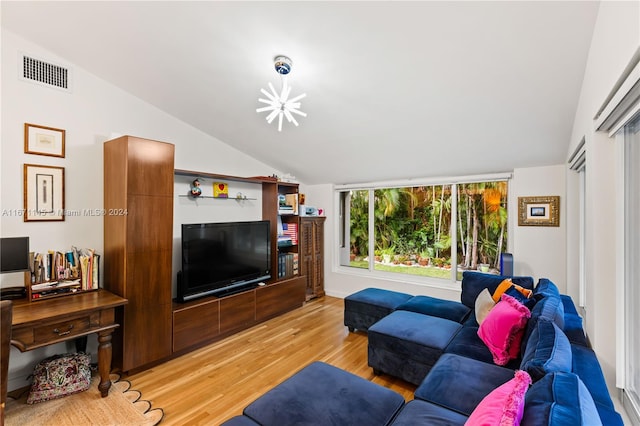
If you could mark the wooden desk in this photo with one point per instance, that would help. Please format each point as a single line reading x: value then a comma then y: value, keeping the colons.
x: 51, y: 321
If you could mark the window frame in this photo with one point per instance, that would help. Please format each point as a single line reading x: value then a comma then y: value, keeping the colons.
x: 342, y: 235
x: 625, y: 306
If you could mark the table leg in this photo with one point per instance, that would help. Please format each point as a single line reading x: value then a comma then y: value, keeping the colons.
x: 104, y: 361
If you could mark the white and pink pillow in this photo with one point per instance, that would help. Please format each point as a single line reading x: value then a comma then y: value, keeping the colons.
x: 503, y: 328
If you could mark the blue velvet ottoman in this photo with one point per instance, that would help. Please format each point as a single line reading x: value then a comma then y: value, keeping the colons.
x: 321, y: 394
x: 407, y: 344
x: 366, y: 307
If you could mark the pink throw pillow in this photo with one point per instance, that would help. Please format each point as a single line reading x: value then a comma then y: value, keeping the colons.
x: 503, y: 327
x: 504, y: 406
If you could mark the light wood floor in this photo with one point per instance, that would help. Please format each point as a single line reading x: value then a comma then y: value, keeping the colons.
x: 214, y: 383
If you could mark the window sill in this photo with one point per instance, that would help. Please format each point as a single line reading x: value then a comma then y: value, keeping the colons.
x: 436, y: 283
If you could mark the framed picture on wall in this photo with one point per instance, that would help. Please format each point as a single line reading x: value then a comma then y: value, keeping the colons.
x: 43, y: 193
x: 42, y: 140
x: 539, y: 211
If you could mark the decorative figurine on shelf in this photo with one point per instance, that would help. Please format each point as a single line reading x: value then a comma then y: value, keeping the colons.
x: 220, y: 190
x: 196, y: 191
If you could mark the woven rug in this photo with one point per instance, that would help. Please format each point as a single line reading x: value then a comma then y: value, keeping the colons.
x: 123, y: 406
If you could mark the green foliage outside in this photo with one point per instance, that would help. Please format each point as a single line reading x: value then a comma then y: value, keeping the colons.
x: 413, y: 224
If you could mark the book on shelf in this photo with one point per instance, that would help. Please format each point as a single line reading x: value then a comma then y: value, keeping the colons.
x: 292, y: 200
x: 285, y: 210
x: 284, y: 241
x: 55, y: 272
x: 287, y: 265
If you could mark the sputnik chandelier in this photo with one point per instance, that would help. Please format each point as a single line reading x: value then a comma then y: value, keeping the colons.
x: 280, y: 105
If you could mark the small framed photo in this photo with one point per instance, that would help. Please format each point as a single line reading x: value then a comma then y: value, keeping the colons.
x: 43, y: 193
x: 42, y: 140
x: 539, y: 211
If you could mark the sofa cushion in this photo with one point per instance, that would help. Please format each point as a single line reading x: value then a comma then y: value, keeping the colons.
x: 419, y: 412
x: 321, y: 394
x: 447, y: 309
x: 504, y: 405
x: 573, y: 322
x: 484, y: 304
x: 586, y: 366
x: 474, y: 282
x: 467, y: 343
x: 529, y: 302
x: 548, y: 350
x: 559, y: 399
x: 459, y: 383
x: 550, y: 308
x: 502, y: 329
x: 546, y: 287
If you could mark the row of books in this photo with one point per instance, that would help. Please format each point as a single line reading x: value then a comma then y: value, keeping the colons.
x: 287, y: 265
x: 288, y: 204
x: 57, y: 272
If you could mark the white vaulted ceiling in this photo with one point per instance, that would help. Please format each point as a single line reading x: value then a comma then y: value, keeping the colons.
x: 394, y: 89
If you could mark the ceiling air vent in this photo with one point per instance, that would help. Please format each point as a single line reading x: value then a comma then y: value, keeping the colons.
x: 46, y: 73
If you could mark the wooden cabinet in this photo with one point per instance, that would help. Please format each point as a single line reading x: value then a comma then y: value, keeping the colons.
x: 312, y: 254
x: 237, y: 312
x: 283, y: 296
x: 195, y: 322
x: 138, y: 241
x: 203, y: 321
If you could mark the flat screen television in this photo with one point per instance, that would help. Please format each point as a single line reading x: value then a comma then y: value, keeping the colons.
x: 223, y: 257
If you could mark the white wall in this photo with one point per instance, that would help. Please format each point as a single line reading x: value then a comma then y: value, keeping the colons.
x: 615, y: 39
x: 538, y: 251
x: 93, y: 113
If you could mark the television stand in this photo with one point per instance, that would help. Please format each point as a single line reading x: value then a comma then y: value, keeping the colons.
x: 236, y: 290
x: 203, y: 321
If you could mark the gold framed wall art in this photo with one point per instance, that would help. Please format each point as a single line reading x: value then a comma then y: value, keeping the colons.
x: 539, y: 211
x: 42, y: 140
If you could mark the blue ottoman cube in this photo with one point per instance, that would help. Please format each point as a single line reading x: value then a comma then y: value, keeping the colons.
x: 321, y: 394
x: 366, y: 307
x: 406, y: 344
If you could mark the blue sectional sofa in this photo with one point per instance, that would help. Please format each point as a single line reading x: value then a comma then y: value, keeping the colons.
x: 435, y: 344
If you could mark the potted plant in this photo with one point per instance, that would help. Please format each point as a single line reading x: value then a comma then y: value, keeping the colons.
x: 387, y: 253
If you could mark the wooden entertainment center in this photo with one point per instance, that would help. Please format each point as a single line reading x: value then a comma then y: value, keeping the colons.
x: 139, y: 179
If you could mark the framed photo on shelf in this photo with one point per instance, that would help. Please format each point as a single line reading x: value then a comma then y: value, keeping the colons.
x: 42, y: 140
x: 539, y: 211
x: 43, y: 193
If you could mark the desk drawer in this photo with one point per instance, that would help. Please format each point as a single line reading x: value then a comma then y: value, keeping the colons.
x: 49, y: 332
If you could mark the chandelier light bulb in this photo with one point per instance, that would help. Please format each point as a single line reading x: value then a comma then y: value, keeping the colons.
x: 278, y: 104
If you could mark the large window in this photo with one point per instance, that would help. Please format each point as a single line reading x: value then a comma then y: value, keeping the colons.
x: 434, y: 231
